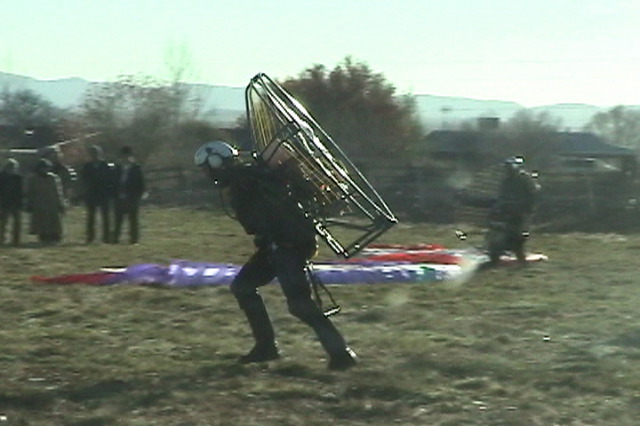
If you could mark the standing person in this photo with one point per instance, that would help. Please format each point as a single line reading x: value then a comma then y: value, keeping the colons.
x: 46, y: 203
x: 285, y: 240
x: 509, y: 211
x: 97, y: 181
x: 129, y: 187
x: 508, y: 218
x: 66, y: 174
x: 11, y: 200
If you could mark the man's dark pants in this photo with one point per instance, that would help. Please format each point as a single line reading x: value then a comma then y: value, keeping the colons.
x: 127, y: 207
x: 16, y: 215
x: 288, y: 265
x: 93, y: 206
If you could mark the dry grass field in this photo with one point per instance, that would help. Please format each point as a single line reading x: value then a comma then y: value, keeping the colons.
x: 554, y: 343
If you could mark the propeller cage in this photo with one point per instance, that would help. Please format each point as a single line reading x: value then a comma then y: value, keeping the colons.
x: 347, y: 211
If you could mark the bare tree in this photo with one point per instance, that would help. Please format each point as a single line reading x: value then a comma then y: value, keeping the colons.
x: 529, y: 134
x: 134, y: 110
x: 181, y: 68
x: 143, y: 111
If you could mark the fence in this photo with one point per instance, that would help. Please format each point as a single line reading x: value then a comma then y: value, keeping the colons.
x: 419, y: 193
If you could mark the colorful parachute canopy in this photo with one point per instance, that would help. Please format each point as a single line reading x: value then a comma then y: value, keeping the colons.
x: 378, y: 264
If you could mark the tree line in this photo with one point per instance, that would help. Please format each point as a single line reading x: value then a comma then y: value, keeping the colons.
x: 356, y: 105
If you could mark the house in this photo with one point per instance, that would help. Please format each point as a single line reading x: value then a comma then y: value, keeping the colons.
x: 463, y: 148
x: 556, y: 152
x: 580, y: 174
x: 586, y: 153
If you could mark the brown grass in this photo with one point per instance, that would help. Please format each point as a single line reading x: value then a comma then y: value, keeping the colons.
x: 557, y: 342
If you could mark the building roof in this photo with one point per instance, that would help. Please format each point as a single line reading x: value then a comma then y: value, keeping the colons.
x: 587, y: 144
x: 579, y: 144
x: 461, y: 141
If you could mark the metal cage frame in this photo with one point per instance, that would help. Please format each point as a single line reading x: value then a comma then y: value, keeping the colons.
x: 283, y: 130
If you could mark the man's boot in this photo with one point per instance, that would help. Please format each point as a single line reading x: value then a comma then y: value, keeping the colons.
x: 341, y: 357
x: 343, y: 360
x: 265, y: 348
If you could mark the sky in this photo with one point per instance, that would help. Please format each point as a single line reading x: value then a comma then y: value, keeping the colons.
x: 534, y: 52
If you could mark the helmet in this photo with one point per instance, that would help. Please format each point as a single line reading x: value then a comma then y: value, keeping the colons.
x: 514, y: 161
x: 513, y: 164
x: 215, y: 155
x: 215, y: 158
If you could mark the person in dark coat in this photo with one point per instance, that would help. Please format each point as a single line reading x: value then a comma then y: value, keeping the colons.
x: 129, y: 188
x: 46, y: 203
x: 11, y: 200
x: 67, y: 174
x: 97, y: 183
x: 266, y: 204
x: 509, y: 211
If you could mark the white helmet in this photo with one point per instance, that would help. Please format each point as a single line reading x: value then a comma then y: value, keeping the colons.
x: 215, y: 155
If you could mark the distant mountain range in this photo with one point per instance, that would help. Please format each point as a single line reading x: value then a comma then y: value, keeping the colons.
x: 224, y: 104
